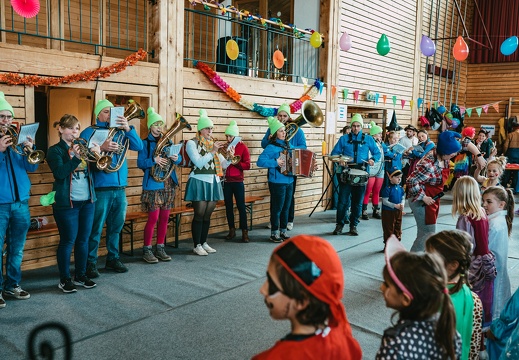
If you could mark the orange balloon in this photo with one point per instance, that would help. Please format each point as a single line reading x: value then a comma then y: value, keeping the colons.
x: 279, y: 59
x: 460, y: 49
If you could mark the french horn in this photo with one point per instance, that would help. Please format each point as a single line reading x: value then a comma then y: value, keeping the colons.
x: 102, y: 161
x: 161, y: 173
x: 311, y: 114
x: 33, y: 156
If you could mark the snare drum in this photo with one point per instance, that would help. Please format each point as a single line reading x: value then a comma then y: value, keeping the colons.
x: 357, y: 177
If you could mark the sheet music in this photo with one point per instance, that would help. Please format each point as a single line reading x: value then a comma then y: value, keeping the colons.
x: 98, y: 137
x: 115, y: 112
x: 398, y: 148
x: 174, y: 149
x: 27, y: 131
x: 235, y: 141
x: 418, y: 148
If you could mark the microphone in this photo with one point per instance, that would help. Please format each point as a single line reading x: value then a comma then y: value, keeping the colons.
x: 437, y: 196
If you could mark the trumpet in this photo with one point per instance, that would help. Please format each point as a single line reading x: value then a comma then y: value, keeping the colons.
x: 33, y: 156
x: 224, y: 150
x: 102, y: 161
x: 311, y: 114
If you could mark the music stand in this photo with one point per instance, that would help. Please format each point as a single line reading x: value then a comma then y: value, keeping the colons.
x: 330, y: 182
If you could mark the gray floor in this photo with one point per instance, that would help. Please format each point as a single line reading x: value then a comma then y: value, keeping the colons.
x: 203, y: 307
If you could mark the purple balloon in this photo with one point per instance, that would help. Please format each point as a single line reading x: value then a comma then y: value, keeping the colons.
x: 427, y: 46
x: 345, y: 42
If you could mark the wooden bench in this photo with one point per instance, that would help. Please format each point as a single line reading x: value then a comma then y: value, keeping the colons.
x: 175, y: 215
x: 127, y: 229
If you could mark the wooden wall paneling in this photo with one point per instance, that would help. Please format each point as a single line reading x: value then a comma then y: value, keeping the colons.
x: 362, y: 68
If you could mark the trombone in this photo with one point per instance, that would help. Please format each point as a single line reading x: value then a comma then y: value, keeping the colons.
x: 33, y: 156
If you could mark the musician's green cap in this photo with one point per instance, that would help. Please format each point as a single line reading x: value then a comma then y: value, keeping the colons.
x: 357, y: 118
x: 374, y: 129
x: 274, y: 125
x: 232, y: 129
x: 153, y: 117
x: 101, y: 104
x: 4, y: 105
x: 284, y: 107
x: 203, y: 121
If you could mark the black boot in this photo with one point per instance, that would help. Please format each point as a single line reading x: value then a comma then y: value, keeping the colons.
x: 231, y: 235
x: 364, y: 215
x: 376, y: 213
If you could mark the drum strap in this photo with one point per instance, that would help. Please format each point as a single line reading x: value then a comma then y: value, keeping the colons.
x: 356, y: 145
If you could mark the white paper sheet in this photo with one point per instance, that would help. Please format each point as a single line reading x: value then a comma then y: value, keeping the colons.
x: 115, y: 112
x: 98, y: 137
x: 331, y: 123
x: 235, y: 141
x: 27, y: 131
x: 174, y: 149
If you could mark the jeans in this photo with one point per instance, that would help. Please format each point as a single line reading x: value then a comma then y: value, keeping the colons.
x: 238, y: 190
x: 15, y: 219
x: 292, y: 209
x: 350, y: 195
x: 74, y: 226
x: 280, y: 198
x: 423, y: 231
x: 110, y: 207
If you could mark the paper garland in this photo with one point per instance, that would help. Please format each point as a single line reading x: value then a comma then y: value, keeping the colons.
x: 263, y: 111
x: 103, y: 72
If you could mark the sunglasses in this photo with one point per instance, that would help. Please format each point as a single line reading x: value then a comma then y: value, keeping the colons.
x: 272, y: 287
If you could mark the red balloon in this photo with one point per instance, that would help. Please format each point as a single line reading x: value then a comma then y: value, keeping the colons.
x: 460, y: 49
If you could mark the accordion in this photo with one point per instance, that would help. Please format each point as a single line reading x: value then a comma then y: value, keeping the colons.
x: 298, y: 162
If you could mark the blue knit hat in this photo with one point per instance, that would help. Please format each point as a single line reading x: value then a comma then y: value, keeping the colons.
x: 448, y: 143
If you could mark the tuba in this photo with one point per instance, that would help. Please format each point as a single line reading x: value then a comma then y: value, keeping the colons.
x: 102, y: 161
x: 132, y: 111
x: 161, y: 173
x: 311, y: 114
x: 33, y: 156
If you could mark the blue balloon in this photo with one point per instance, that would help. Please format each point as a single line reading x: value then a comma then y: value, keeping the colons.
x: 509, y: 46
x: 441, y: 109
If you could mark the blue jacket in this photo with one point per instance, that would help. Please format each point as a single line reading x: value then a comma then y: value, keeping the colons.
x: 62, y: 167
x: 392, y: 159
x: 394, y: 193
x: 346, y: 147
x: 268, y: 159
x: 118, y: 178
x: 145, y: 162
x: 297, y: 142
x: 13, y: 177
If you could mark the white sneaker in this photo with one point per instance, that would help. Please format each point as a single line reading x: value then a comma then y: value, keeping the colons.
x: 290, y: 226
x: 199, y: 250
x: 207, y: 248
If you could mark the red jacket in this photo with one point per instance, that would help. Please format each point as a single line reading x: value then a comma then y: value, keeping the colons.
x: 234, y: 173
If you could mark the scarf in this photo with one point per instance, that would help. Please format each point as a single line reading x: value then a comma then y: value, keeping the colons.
x: 208, y: 146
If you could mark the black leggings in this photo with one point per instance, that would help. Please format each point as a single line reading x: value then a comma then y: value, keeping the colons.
x: 201, y: 220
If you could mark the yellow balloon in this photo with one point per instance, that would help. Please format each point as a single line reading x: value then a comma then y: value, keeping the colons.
x: 232, y: 49
x: 316, y: 40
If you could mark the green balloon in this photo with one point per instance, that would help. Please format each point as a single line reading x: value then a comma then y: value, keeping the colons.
x: 383, y: 45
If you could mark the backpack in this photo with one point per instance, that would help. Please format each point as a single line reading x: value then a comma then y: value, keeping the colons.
x: 434, y: 117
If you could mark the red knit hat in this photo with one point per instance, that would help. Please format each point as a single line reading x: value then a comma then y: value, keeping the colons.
x: 314, y: 263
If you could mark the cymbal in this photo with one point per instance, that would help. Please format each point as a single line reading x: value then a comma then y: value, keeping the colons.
x: 338, y: 158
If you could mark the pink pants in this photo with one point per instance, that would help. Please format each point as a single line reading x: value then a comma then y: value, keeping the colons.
x: 160, y: 216
x: 374, y: 185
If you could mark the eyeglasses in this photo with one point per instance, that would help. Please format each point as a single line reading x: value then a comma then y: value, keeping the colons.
x: 4, y: 117
x: 272, y: 287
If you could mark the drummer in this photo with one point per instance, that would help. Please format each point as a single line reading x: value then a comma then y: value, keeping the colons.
x: 357, y: 147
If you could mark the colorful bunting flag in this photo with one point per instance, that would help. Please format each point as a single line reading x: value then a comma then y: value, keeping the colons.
x: 462, y: 110
x: 345, y: 94
x: 485, y: 108
x: 377, y: 95
x: 334, y: 90
x: 411, y: 103
x: 496, y: 106
x: 469, y: 112
x: 356, y: 95
x: 478, y: 110
x: 402, y: 102
x: 384, y: 97
x: 394, y: 100
x: 420, y: 102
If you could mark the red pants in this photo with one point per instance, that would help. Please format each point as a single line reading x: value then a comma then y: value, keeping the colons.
x: 392, y: 223
x: 374, y: 185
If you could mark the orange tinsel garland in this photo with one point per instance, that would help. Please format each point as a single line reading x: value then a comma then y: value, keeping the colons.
x: 103, y: 72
